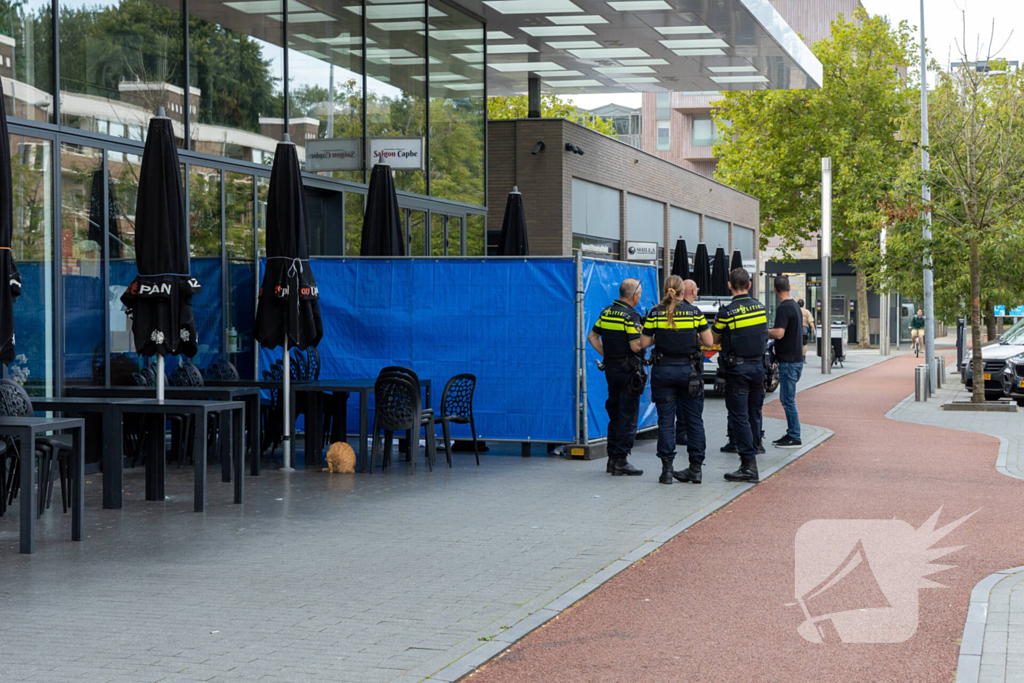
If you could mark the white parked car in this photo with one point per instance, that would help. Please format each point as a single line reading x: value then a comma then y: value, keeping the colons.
x: 994, y: 359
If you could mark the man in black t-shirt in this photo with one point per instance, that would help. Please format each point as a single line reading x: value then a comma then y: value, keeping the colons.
x: 789, y: 350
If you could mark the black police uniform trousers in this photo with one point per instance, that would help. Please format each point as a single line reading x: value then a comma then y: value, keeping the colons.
x: 744, y: 397
x: 623, y: 407
x: 670, y: 389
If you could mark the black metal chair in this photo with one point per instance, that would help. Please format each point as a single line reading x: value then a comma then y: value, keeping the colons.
x: 397, y: 407
x: 221, y: 370
x: 408, y: 373
x: 271, y: 412
x: 457, y: 408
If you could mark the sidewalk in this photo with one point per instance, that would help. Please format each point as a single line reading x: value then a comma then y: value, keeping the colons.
x: 715, y: 603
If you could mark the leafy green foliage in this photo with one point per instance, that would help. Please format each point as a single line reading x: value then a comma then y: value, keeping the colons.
x: 551, y: 107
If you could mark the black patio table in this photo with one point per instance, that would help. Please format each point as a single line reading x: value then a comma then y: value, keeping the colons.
x: 156, y: 413
x: 314, y: 409
x: 25, y: 429
x: 250, y: 395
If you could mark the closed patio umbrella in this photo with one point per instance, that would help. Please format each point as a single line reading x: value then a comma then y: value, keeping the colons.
x: 720, y: 274
x: 702, y: 269
x: 681, y: 261
x: 287, y: 310
x: 10, y: 279
x: 382, y: 224
x: 159, y: 299
x: 737, y: 260
x: 513, y: 241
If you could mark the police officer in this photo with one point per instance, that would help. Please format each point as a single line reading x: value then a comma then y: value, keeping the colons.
x: 742, y: 327
x: 676, y: 328
x: 616, y: 336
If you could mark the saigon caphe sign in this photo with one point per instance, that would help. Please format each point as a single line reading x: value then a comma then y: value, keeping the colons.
x: 399, y: 153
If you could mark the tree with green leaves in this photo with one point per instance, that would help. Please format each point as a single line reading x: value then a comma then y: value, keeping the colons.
x: 551, y: 107
x: 778, y: 138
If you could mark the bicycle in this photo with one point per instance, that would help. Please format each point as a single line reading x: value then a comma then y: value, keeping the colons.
x: 917, y: 345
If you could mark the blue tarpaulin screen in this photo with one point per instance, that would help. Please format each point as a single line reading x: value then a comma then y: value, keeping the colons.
x: 509, y: 322
x: 601, y: 281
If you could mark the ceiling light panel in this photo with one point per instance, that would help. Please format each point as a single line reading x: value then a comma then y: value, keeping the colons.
x: 460, y: 34
x: 739, y: 79
x: 584, y: 83
x: 267, y: 6
x: 470, y: 57
x: 464, y: 86
x: 643, y: 62
x: 578, y: 19
x: 732, y: 69
x: 403, y: 11
x: 346, y: 39
x: 608, y: 70
x: 494, y: 35
x: 389, y: 25
x: 525, y: 66
x: 303, y: 17
x: 682, y: 30
x: 693, y: 43
x: 640, y: 6
x: 609, y: 53
x: 513, y: 49
x: 703, y: 52
x: 532, y: 6
x: 636, y: 79
x: 568, y: 45
x: 544, y: 31
x: 442, y: 77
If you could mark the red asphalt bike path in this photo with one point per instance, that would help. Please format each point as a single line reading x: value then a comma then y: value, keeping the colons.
x: 711, y: 604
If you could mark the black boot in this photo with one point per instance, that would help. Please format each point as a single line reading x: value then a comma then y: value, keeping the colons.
x: 760, y: 448
x: 611, y: 464
x: 729, y: 448
x: 747, y: 472
x: 691, y: 474
x: 622, y: 467
x: 666, y: 471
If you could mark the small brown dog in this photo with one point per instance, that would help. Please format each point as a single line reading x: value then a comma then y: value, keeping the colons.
x: 340, y: 458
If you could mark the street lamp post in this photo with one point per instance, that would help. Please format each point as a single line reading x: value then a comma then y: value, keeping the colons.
x: 826, y: 266
x: 883, y: 307
x: 926, y: 194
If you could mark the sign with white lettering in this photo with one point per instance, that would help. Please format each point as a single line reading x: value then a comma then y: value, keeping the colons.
x: 399, y: 153
x: 334, y: 154
x: 641, y: 251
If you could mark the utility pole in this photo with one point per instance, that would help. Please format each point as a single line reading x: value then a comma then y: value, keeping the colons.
x: 926, y: 194
x: 826, y: 266
x: 883, y: 308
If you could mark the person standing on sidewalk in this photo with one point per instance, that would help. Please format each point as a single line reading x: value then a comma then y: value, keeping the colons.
x: 676, y: 329
x: 742, y: 327
x: 809, y: 327
x: 616, y: 337
x: 787, y: 336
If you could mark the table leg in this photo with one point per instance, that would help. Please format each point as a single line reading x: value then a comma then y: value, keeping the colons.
x: 77, y: 482
x: 224, y: 442
x: 252, y: 408
x: 156, y: 459
x: 200, y: 461
x: 113, y: 460
x: 314, y: 429
x: 238, y: 429
x: 364, y: 409
x: 28, y: 493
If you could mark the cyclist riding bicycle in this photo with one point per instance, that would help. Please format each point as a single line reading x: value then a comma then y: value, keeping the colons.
x: 917, y: 331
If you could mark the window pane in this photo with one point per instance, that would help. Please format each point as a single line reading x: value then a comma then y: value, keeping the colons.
x: 396, y: 83
x: 454, y: 246
x: 418, y: 230
x: 32, y: 247
x: 237, y: 79
x: 240, y: 214
x: 437, y: 236
x: 123, y: 193
x: 119, y: 63
x: 82, y: 242
x: 662, y: 103
x: 26, y: 46
x: 262, y: 194
x: 475, y: 238
x: 456, y: 106
x: 353, y: 223
x: 325, y: 66
x: 664, y: 135
x: 703, y: 131
x: 205, y: 251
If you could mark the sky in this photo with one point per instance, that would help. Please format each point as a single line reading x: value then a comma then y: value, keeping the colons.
x: 944, y: 32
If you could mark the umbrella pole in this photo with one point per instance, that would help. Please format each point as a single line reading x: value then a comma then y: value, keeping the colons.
x: 159, y: 378
x: 286, y: 408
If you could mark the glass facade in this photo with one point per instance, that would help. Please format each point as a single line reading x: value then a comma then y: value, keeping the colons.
x: 234, y: 77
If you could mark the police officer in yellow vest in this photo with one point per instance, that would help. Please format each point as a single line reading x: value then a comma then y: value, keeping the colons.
x: 616, y: 336
x: 676, y: 329
x: 742, y: 327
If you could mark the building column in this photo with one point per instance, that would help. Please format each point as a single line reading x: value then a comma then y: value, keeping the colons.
x: 533, y: 98
x: 700, y: 226
x: 666, y: 238
x: 731, y: 248
x: 623, y: 228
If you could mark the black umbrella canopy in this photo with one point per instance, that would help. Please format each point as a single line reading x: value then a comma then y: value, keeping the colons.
x: 681, y: 261
x: 10, y: 278
x: 737, y: 260
x: 513, y: 241
x: 159, y: 300
x: 702, y: 269
x: 288, y: 306
x: 382, y: 225
x: 96, y: 215
x: 720, y: 274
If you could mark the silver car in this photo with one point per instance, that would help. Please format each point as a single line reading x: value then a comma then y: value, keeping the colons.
x: 995, y: 359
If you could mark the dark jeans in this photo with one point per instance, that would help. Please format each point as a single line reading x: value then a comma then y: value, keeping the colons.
x: 744, y: 396
x: 670, y: 390
x: 789, y: 375
x: 623, y: 408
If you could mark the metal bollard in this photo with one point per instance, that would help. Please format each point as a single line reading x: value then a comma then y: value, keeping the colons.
x: 921, y: 383
x: 940, y: 371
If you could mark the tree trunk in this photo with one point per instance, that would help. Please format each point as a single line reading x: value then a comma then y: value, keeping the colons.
x: 863, y: 328
x: 977, y: 367
x: 990, y: 325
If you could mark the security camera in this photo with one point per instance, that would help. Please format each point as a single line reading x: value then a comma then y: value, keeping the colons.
x: 538, y: 148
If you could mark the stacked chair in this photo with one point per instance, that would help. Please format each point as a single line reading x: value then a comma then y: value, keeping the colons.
x: 398, y: 407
